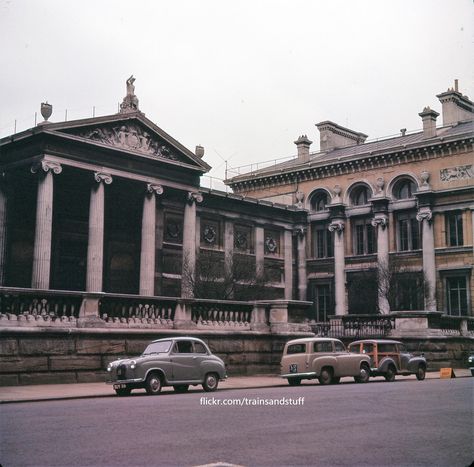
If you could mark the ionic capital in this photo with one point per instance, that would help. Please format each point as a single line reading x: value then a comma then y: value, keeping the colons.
x: 46, y: 166
x: 336, y: 226
x: 194, y: 197
x: 299, y: 231
x: 153, y: 189
x: 103, y: 177
x: 424, y: 214
x: 380, y: 221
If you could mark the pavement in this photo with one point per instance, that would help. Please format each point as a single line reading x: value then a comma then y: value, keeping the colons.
x: 44, y: 392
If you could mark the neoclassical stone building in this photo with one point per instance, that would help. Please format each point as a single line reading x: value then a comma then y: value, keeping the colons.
x: 114, y: 205
x: 399, y: 209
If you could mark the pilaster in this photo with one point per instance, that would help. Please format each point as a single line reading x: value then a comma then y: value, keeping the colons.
x: 288, y: 249
x: 337, y: 227
x: 300, y: 233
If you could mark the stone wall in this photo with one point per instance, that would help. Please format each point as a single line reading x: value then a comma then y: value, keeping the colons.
x: 44, y: 356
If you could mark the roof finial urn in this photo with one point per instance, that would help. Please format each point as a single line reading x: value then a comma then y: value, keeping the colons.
x: 46, y: 110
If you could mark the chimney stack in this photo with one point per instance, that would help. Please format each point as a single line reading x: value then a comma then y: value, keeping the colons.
x: 428, y: 117
x: 303, y: 144
x: 334, y: 136
x: 456, y: 107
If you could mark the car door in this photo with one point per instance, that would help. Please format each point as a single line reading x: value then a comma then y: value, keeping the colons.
x: 183, y: 361
x: 404, y: 357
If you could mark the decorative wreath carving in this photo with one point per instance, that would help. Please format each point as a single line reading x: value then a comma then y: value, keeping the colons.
x: 210, y: 234
x: 241, y: 241
x: 271, y: 245
x: 173, y: 229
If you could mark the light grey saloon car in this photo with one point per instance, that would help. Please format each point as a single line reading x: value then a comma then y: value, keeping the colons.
x: 176, y: 361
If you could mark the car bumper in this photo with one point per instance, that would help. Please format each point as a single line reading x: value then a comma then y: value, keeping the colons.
x: 310, y: 374
x: 125, y: 381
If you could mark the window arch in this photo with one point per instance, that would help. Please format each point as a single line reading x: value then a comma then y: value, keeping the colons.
x: 319, y: 201
x: 360, y: 195
x: 404, y: 189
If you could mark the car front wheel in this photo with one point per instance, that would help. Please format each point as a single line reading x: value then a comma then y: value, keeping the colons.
x: 420, y: 373
x: 390, y: 374
x: 210, y: 383
x: 153, y: 384
x: 325, y: 377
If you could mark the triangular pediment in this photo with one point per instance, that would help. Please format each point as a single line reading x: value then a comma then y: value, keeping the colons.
x: 136, y: 135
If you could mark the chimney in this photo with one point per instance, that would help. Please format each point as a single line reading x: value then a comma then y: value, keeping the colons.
x: 428, y: 117
x: 456, y: 107
x: 199, y: 151
x: 303, y: 144
x: 334, y: 136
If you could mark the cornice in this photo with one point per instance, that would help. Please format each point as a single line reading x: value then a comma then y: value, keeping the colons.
x: 315, y: 170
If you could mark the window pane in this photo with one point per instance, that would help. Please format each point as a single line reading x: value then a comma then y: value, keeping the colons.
x: 371, y: 244
x: 457, y: 296
x: 359, y: 239
x: 329, y: 245
x: 403, y: 232
x: 415, y: 234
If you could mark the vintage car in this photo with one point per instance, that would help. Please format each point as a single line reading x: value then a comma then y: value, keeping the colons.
x: 323, y: 358
x: 389, y: 358
x: 174, y: 361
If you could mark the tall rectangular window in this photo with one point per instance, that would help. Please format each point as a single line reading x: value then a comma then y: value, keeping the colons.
x: 322, y: 301
x: 456, y: 291
x: 454, y: 234
x: 364, y: 239
x: 408, y: 232
x: 322, y: 242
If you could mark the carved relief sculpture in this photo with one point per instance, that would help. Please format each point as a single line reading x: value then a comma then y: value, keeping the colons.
x: 461, y: 172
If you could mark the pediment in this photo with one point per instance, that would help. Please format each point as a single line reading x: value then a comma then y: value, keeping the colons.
x: 133, y: 135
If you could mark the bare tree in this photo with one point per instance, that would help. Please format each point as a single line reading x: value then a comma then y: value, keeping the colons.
x: 214, y: 277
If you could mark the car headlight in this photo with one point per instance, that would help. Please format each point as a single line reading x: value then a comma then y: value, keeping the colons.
x: 470, y: 359
x: 133, y: 363
x: 109, y: 367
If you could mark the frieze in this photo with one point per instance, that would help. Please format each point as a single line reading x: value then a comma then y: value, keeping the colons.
x: 461, y: 172
x: 129, y: 136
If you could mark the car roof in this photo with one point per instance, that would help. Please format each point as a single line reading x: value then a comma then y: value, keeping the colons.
x: 179, y: 338
x: 375, y: 341
x: 305, y: 340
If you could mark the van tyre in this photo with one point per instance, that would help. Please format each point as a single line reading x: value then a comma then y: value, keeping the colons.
x: 123, y: 392
x: 294, y: 381
x: 325, y: 377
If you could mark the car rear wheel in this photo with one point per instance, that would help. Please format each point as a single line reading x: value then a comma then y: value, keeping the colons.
x: 294, y: 381
x: 364, y: 375
x: 420, y: 373
x: 325, y: 377
x: 153, y: 384
x: 211, y: 381
x: 123, y: 392
x: 181, y: 388
x: 390, y: 374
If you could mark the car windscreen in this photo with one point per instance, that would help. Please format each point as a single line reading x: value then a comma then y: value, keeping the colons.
x: 157, y: 347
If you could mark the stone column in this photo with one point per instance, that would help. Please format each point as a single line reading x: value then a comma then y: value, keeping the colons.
x: 147, y: 254
x: 44, y: 223
x: 337, y: 226
x: 259, y: 251
x: 425, y: 217
x: 95, y: 247
x: 380, y: 222
x: 3, y: 229
x: 301, y: 247
x: 288, y: 242
x: 189, y: 245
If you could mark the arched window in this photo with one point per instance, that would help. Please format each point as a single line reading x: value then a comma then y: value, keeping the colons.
x: 404, y: 189
x: 360, y: 196
x: 319, y: 201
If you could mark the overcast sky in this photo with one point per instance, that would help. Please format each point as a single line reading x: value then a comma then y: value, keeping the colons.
x: 242, y: 78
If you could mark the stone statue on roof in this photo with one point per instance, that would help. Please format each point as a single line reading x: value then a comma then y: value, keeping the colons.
x: 130, y: 101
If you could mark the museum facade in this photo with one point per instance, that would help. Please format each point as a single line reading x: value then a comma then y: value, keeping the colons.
x: 114, y: 205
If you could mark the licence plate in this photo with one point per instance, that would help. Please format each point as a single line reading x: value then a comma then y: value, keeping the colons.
x: 293, y: 368
x: 120, y: 386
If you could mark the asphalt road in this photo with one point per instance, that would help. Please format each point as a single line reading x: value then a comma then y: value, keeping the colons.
x: 378, y: 424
